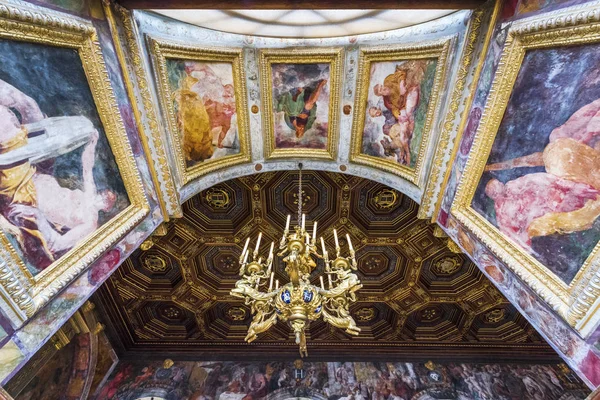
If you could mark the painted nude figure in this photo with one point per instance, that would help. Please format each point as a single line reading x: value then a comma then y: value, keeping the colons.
x: 299, y: 107
x: 400, y: 93
x: 564, y: 199
x: 32, y: 204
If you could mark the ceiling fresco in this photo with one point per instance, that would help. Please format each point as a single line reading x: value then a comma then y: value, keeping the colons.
x: 419, y: 299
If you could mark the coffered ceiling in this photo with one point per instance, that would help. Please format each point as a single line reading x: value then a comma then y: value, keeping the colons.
x: 419, y: 300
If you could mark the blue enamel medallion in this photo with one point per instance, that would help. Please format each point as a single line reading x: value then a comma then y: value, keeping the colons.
x: 307, y: 296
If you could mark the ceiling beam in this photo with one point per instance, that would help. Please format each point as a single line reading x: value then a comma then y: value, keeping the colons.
x: 301, y: 4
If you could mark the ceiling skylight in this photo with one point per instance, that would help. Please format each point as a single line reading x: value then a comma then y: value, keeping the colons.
x: 304, y: 23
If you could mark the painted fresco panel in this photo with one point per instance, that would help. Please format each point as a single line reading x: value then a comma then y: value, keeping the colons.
x: 300, y: 91
x: 205, y: 104
x: 60, y: 181
x: 398, y: 92
x: 301, y: 101
x: 203, y: 97
x: 397, y: 104
x: 578, y: 353
x: 541, y: 185
x: 334, y: 380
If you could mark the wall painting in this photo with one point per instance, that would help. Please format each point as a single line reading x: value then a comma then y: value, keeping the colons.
x: 337, y: 380
x: 531, y: 187
x: 69, y: 187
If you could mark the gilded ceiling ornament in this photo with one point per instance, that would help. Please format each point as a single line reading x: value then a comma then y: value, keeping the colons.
x: 298, y: 301
x: 147, y: 244
x: 495, y: 315
x: 429, y: 314
x: 453, y: 247
x: 227, y: 262
x: 426, y: 243
x: 386, y: 199
x: 236, y: 313
x: 439, y: 232
x: 217, y: 197
x: 373, y: 264
x: 447, y: 265
x: 171, y: 312
x: 168, y: 363
x: 305, y: 198
x: 161, y: 230
x: 365, y: 314
x: 155, y: 263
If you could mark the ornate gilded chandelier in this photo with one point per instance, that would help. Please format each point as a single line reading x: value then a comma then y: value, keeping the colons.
x: 298, y: 301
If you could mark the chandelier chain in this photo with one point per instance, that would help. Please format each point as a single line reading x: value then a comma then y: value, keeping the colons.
x: 299, y: 194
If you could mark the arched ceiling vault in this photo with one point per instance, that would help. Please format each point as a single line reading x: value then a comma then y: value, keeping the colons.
x: 418, y: 297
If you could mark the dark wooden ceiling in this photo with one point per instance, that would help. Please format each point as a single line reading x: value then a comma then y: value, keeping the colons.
x: 420, y: 300
x: 302, y: 4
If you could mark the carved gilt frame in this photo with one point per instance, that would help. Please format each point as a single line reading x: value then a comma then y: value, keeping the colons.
x: 436, y: 49
x: 578, y: 301
x: 331, y: 56
x: 161, y: 50
x: 125, y: 38
x: 24, y: 293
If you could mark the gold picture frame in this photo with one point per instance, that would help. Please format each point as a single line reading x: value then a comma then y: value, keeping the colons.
x: 162, y: 50
x: 578, y: 301
x: 430, y: 50
x: 23, y: 292
x: 331, y: 56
